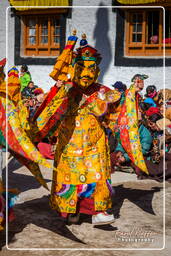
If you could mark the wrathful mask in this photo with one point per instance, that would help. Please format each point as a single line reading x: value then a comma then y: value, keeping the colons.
x: 85, y: 73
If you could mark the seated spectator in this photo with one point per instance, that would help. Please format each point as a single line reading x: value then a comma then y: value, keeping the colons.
x: 151, y: 116
x: 30, y: 104
x: 143, y: 106
x: 145, y: 140
x: 164, y: 95
x: 168, y: 113
x: 162, y: 108
x: 38, y: 91
x: 164, y: 124
x: 155, y: 164
x: 152, y: 148
x: 25, y: 76
x: 150, y: 101
x: 153, y: 110
x: 28, y: 91
x: 38, y: 99
x: 154, y: 39
x: 120, y: 86
x: 151, y: 121
x: 39, y: 96
x: 156, y: 169
x: 167, y: 97
x: 151, y: 92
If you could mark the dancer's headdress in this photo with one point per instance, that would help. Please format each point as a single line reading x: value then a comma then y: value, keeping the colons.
x: 86, y: 52
x: 68, y: 56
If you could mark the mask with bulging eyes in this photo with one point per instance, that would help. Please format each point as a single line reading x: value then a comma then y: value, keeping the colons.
x: 85, y: 73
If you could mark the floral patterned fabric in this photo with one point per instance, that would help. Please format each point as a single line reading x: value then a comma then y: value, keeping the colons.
x: 82, y: 155
x: 51, y: 114
x: 19, y: 143
x: 17, y: 138
x: 13, y: 86
x: 128, y: 130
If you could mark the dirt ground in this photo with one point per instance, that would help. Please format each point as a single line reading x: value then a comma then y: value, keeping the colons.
x: 138, y: 229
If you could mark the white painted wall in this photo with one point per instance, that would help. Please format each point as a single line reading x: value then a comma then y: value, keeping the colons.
x: 3, y: 6
x: 100, y: 27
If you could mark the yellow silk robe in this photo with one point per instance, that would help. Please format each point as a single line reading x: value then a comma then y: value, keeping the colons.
x: 82, y: 154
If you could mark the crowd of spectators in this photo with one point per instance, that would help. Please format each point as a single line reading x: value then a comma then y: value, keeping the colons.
x: 154, y: 117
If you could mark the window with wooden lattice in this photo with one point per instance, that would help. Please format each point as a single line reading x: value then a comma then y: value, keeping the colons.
x: 42, y: 35
x: 145, y: 32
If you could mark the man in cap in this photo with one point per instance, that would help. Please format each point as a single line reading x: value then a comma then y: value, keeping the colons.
x: 138, y: 81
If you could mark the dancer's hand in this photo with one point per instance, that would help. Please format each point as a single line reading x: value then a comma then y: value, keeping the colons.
x: 59, y: 83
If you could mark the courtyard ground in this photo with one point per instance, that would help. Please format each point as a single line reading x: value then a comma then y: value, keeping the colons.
x: 138, y: 229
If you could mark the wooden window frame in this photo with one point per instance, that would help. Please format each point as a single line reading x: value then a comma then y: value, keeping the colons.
x: 39, y: 49
x: 143, y: 48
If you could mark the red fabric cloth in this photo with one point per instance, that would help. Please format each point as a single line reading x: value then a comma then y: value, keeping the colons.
x: 152, y: 110
x: 3, y: 62
x: 46, y: 150
x: 167, y: 40
x: 11, y: 215
x: 48, y: 98
x: 85, y: 205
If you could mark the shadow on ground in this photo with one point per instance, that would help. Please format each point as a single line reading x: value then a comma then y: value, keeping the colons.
x: 140, y: 197
x: 20, y: 181
x: 39, y: 213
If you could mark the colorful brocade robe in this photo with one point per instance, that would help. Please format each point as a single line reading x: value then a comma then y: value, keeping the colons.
x: 129, y: 130
x: 82, y: 161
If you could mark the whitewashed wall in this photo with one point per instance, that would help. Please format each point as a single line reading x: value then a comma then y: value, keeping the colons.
x: 100, y: 27
x: 3, y: 6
